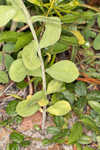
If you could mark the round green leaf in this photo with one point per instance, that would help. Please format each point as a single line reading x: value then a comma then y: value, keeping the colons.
x: 35, y: 73
x: 29, y: 56
x: 60, y: 108
x: 6, y: 14
x: 17, y: 71
x: 96, y: 43
x: 3, y: 77
x: 55, y: 86
x: 49, y: 37
x: 19, y: 17
x: 64, y: 70
x: 25, y: 108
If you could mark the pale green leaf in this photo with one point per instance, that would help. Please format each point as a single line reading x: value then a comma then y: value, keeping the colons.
x: 36, y: 2
x: 96, y: 43
x: 55, y: 86
x: 3, y: 77
x: 35, y: 73
x: 98, y: 20
x: 43, y: 102
x: 64, y: 70
x: 29, y: 56
x: 39, y: 98
x: 17, y: 71
x: 59, y: 108
x: 25, y: 109
x: 19, y: 17
x: 6, y: 14
x: 51, y: 34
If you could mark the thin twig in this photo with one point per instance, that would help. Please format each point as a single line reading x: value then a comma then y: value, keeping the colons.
x: 13, y: 26
x: 90, y: 7
x: 6, y: 89
x: 23, y: 28
x: 29, y: 22
x: 30, y: 86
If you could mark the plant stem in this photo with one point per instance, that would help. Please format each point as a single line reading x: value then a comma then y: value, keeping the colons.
x: 29, y: 22
x: 90, y: 7
x: 74, y: 53
x: 30, y: 86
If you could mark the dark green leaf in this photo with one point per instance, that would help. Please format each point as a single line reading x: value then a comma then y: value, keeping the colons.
x: 16, y: 137
x: 11, y: 108
x: 23, y: 40
x: 95, y: 106
x: 9, y: 47
x: 76, y: 133
x: 88, y: 148
x: 93, y: 95
x: 69, y: 96
x: 53, y: 130
x: 25, y: 143
x: 80, y: 89
x: 59, y: 121
x: 90, y: 124
x: 9, y: 36
x: 13, y: 146
x: 81, y: 103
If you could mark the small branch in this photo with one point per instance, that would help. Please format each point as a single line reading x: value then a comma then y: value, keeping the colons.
x: 23, y: 28
x: 74, y: 147
x: 30, y: 86
x: 89, y: 80
x: 13, y: 26
x: 29, y: 22
x: 90, y: 7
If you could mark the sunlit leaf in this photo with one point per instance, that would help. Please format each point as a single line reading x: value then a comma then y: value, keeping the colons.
x: 29, y: 56
x: 64, y: 70
x: 55, y: 86
x: 25, y: 109
x: 59, y: 108
x: 79, y: 37
x: 43, y: 102
x: 17, y: 71
x: 48, y: 38
x: 6, y: 14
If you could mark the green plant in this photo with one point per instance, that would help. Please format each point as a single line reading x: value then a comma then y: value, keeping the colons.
x: 17, y: 141
x: 33, y: 55
x: 30, y: 59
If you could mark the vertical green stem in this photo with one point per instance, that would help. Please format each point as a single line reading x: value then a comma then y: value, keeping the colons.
x: 74, y: 53
x: 29, y: 22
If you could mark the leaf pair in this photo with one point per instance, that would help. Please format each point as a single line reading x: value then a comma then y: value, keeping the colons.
x: 30, y: 106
